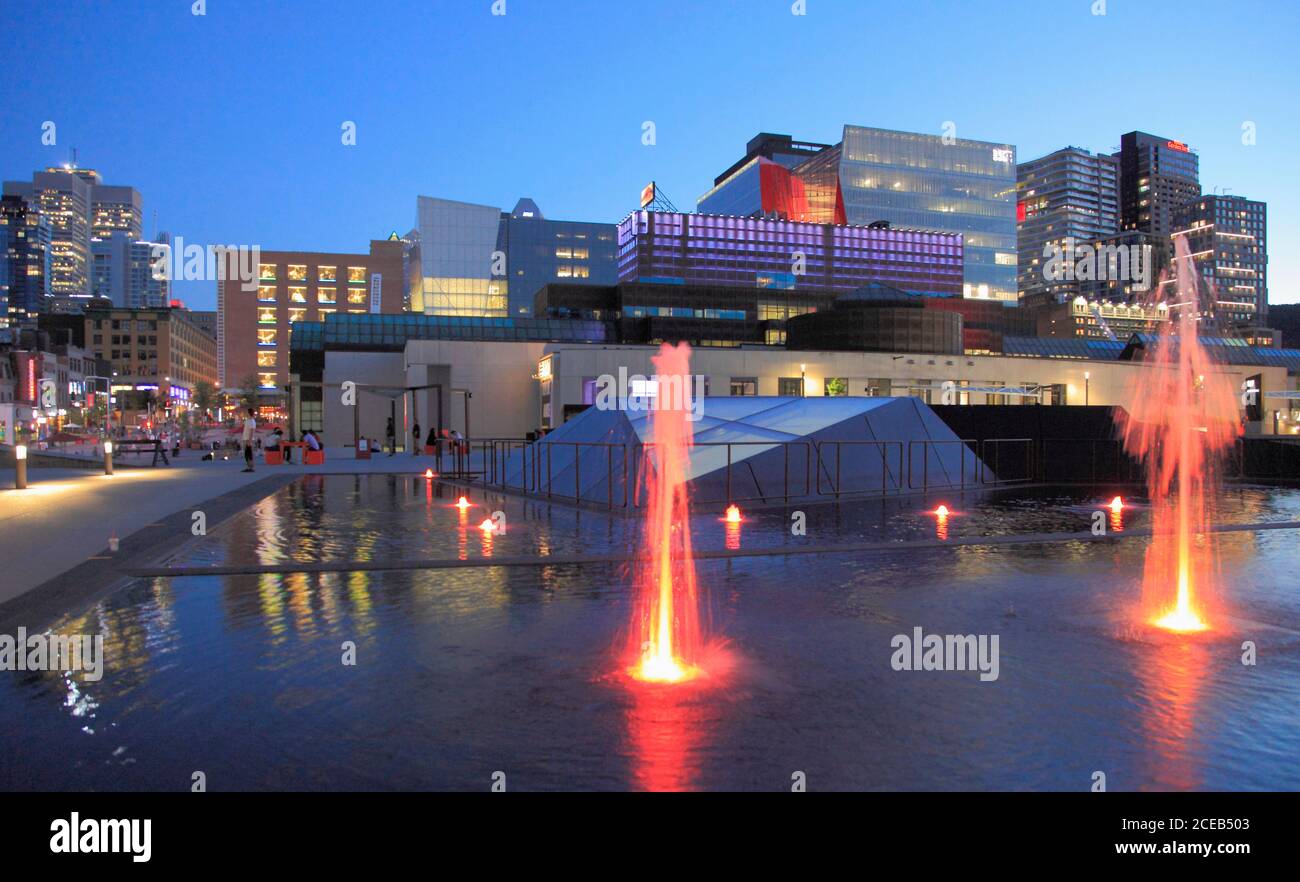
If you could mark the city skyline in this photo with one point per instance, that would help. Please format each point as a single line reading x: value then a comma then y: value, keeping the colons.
x: 250, y: 150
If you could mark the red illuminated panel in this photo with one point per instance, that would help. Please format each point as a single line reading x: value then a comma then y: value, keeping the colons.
x: 1021, y: 212
x: 1178, y: 145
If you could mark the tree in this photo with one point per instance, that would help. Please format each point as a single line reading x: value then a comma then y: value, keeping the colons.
x: 205, y: 397
x: 248, y: 392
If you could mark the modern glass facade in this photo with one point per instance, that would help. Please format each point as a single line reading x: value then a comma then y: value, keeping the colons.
x: 923, y: 182
x: 909, y: 180
x: 458, y: 276
x: 541, y: 252
x: 476, y: 260
x: 694, y: 249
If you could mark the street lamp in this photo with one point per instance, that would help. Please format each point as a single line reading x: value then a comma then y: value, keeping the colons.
x: 20, y: 467
x: 1087, y: 377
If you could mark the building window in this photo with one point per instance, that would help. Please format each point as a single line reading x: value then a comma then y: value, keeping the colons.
x: 266, y: 316
x: 266, y: 359
x: 356, y: 275
x: 297, y: 295
x: 297, y: 272
x: 266, y: 272
x: 266, y: 380
x: 297, y: 315
x: 265, y: 337
x: 327, y: 274
x: 789, y: 386
x: 327, y: 295
x: 358, y: 297
x: 744, y: 385
x: 266, y: 293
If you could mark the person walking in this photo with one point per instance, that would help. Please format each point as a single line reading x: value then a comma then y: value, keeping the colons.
x: 390, y: 435
x: 416, y: 439
x: 250, y: 429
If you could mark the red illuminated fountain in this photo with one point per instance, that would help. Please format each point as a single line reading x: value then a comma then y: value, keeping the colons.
x: 1182, y: 420
x: 666, y: 637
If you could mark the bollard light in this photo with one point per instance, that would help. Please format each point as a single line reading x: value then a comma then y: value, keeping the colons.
x: 108, y: 457
x: 20, y: 467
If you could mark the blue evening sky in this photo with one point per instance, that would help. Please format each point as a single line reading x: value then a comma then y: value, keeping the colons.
x: 229, y: 123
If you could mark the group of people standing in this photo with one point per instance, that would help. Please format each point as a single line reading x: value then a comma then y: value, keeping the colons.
x: 390, y: 434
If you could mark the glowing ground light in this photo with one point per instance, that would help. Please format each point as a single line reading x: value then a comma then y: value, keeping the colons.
x: 462, y: 503
x: 428, y: 473
x: 487, y: 526
x: 733, y: 514
x: 941, y: 511
x: 1117, y: 505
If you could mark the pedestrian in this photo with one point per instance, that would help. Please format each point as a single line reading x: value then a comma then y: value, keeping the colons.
x: 415, y: 436
x: 250, y: 429
x: 390, y: 435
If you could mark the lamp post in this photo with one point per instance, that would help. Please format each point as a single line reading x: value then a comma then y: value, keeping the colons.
x: 108, y: 457
x: 1087, y: 377
x: 20, y: 467
x: 803, y: 380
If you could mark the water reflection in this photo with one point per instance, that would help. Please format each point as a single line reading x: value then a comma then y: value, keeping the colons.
x: 1171, y: 674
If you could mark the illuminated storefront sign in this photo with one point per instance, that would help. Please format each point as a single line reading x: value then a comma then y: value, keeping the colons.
x: 1003, y: 154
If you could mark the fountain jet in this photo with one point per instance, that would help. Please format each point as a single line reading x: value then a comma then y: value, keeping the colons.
x: 1182, y: 420
x: 666, y: 634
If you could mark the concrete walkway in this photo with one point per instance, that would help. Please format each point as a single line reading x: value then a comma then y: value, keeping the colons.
x: 65, y: 517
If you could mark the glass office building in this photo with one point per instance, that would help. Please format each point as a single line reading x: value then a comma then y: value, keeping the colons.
x: 476, y: 260
x: 938, y: 183
x: 541, y: 252
x: 457, y: 244
x: 903, y: 179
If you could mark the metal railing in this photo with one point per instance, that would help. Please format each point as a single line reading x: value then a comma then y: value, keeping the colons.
x: 836, y: 485
x: 614, y: 471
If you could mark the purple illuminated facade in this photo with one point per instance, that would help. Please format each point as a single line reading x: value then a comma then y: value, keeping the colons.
x: 747, y: 252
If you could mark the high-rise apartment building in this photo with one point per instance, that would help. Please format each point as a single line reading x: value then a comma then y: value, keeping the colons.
x: 1156, y: 177
x: 1066, y: 199
x: 1227, y: 238
x: 878, y: 176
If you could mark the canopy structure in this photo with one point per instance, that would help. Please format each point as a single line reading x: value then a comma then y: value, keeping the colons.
x: 764, y: 448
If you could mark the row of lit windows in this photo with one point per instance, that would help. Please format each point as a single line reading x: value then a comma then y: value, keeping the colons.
x: 268, y: 294
x: 298, y: 273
